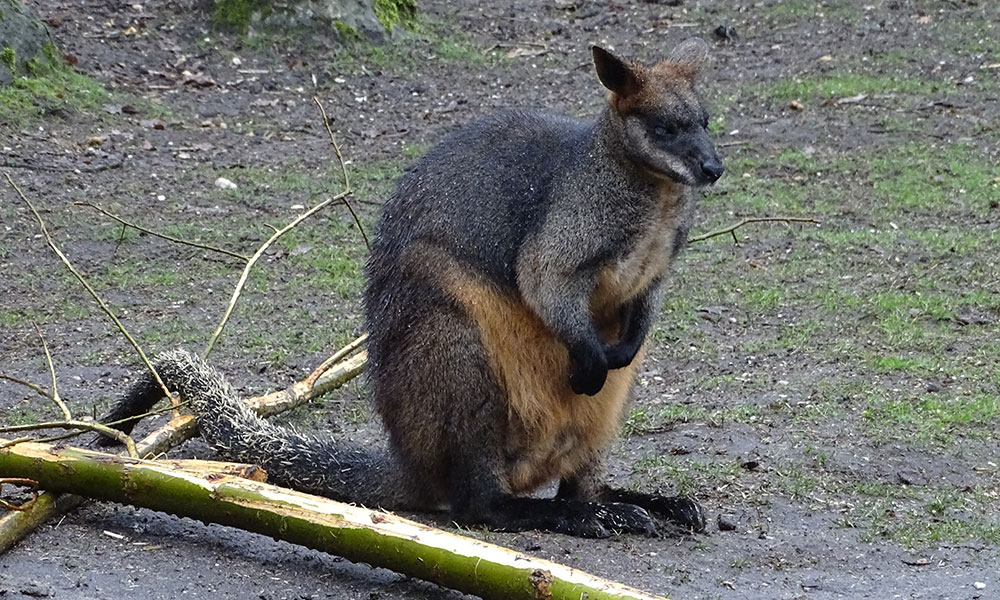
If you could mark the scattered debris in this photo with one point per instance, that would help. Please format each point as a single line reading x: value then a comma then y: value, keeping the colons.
x: 224, y: 184
x: 725, y: 523
x: 725, y: 32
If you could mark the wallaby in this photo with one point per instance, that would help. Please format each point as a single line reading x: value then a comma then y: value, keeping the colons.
x: 512, y: 282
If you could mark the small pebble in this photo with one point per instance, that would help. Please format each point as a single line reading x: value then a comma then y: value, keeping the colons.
x: 725, y: 524
x: 224, y: 184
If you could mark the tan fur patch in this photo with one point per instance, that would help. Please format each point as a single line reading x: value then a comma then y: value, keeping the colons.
x: 552, y: 431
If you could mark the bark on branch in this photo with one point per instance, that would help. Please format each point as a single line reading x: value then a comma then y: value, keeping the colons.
x: 358, y: 534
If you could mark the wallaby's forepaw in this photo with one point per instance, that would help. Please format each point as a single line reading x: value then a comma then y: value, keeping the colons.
x: 590, y: 371
x: 594, y: 520
x: 620, y: 355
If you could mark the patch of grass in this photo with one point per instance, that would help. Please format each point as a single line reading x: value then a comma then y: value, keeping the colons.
x: 800, y: 10
x: 947, y: 517
x: 117, y: 233
x: 236, y: 15
x: 333, y: 267
x: 8, y: 56
x: 908, y: 364
x: 175, y: 331
x: 934, y: 308
x: 375, y: 180
x: 125, y: 276
x: 763, y: 300
x: 22, y: 415
x: 684, y: 477
x: 931, y: 180
x: 843, y: 85
x: 688, y: 413
x: 49, y: 87
x: 932, y: 418
x: 795, y: 481
x: 637, y: 422
x: 425, y: 42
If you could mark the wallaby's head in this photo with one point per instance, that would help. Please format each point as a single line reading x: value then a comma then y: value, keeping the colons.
x: 663, y: 121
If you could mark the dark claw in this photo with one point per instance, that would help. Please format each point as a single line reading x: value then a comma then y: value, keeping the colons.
x: 681, y: 511
x: 595, y: 520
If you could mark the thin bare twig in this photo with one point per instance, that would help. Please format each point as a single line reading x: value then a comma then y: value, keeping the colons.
x: 100, y: 302
x: 37, y: 388
x: 22, y: 482
x: 253, y: 260
x: 54, y: 394
x: 77, y: 426
x: 343, y: 169
x: 339, y: 354
x: 732, y: 228
x: 162, y: 235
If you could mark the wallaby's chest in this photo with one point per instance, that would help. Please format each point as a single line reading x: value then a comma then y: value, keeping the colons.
x: 648, y: 254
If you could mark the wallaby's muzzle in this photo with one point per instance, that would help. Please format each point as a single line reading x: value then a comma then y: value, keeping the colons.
x: 707, y: 167
x: 711, y: 170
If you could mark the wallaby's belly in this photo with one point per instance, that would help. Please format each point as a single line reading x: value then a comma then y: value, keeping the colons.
x: 552, y: 431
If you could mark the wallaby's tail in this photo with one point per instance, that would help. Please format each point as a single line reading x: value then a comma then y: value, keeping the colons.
x: 304, y: 462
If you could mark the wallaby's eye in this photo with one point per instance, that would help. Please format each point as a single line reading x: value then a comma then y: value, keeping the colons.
x: 664, y: 130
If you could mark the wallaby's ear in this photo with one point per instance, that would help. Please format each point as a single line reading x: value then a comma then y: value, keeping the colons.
x: 616, y: 74
x: 692, y: 53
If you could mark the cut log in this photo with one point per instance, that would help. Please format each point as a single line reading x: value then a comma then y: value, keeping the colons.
x: 358, y: 534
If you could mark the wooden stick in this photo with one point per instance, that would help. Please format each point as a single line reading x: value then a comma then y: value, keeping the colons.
x: 93, y: 293
x: 358, y: 534
x: 16, y: 526
x: 732, y: 228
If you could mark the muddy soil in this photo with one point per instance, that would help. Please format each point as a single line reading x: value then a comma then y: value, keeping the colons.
x: 831, y: 390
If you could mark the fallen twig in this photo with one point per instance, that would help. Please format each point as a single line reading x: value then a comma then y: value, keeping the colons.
x: 16, y: 526
x: 22, y: 482
x: 162, y: 235
x: 359, y: 534
x: 253, y: 260
x: 732, y: 228
x: 80, y: 278
x: 343, y: 170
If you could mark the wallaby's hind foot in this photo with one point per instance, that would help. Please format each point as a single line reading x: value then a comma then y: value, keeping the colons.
x: 571, y: 517
x: 680, y: 511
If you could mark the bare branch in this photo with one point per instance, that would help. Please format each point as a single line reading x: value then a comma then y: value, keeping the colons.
x: 37, y: 388
x: 76, y: 426
x: 22, y: 482
x: 732, y: 228
x: 253, y: 260
x: 162, y: 235
x: 339, y: 354
x: 100, y: 302
x: 343, y: 169
x: 54, y: 395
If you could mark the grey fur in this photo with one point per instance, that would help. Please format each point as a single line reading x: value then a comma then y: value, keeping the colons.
x: 571, y: 222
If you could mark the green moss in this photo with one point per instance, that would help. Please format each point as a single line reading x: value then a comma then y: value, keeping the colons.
x: 393, y: 13
x: 51, y: 87
x: 236, y: 15
x: 346, y: 32
x: 9, y: 58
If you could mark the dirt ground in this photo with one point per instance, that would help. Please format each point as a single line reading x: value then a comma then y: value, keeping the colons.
x: 833, y: 390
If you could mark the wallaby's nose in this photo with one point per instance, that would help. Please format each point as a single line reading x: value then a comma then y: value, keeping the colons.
x: 712, y: 168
